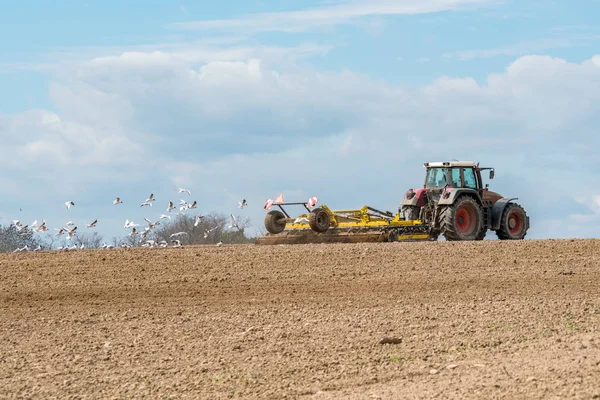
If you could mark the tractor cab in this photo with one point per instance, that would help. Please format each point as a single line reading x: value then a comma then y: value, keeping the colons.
x: 458, y: 174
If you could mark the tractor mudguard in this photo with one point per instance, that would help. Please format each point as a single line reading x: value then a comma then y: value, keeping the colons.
x: 497, y: 210
x: 414, y: 198
x: 453, y: 195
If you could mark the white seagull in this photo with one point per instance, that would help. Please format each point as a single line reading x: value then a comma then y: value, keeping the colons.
x: 69, y: 204
x: 208, y: 231
x: 151, y: 197
x: 233, y: 223
x: 130, y: 224
x: 93, y: 224
x: 170, y: 207
x: 177, y: 234
x: 117, y: 201
x: 182, y: 190
x: 242, y: 204
x: 151, y: 224
x: 199, y: 219
x: 163, y: 216
x: 71, y: 233
x: 42, y: 227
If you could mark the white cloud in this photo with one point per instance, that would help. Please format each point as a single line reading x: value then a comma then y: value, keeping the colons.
x: 537, y: 46
x: 326, y: 16
x: 253, y: 127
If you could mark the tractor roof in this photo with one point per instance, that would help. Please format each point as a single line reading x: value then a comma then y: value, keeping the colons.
x: 452, y: 164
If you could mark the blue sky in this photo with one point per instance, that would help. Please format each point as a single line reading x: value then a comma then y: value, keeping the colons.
x: 110, y: 97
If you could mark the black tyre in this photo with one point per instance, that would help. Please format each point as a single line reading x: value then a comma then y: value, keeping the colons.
x: 319, y: 220
x: 462, y: 220
x: 513, y: 223
x: 275, y: 222
x: 482, y: 234
x: 410, y: 213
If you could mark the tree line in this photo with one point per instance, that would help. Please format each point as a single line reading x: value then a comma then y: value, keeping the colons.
x: 211, y: 229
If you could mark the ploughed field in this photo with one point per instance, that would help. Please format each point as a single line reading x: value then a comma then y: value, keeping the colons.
x: 469, y: 320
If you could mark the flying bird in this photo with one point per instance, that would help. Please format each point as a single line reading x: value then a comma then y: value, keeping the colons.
x: 193, y: 205
x: 182, y: 190
x: 42, y: 227
x: 146, y: 203
x: 199, y: 219
x: 117, y: 201
x: 70, y: 223
x: 129, y: 224
x: 71, y: 233
x: 151, y: 197
x: 133, y: 231
x: 163, y: 216
x: 69, y: 204
x: 170, y: 207
x: 151, y: 224
x: 233, y: 223
x: 177, y: 234
x: 93, y: 224
x: 208, y: 231
x: 242, y: 204
x: 60, y: 231
x: 33, y: 224
x: 20, y: 228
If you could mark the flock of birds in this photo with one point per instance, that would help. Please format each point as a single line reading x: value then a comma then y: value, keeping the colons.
x: 70, y: 229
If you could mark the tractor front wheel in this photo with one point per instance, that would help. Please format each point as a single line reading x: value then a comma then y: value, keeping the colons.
x: 275, y: 222
x: 319, y: 220
x: 462, y: 220
x: 513, y: 223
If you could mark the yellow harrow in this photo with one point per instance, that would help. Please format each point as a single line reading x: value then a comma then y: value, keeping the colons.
x: 324, y: 225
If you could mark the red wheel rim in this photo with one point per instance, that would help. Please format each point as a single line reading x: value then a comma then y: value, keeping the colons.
x: 515, y: 224
x: 465, y: 219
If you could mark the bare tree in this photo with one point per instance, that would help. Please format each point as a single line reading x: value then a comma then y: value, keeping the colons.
x: 89, y: 240
x: 211, y: 229
x: 11, y: 239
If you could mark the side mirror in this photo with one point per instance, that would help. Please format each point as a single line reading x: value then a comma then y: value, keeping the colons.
x: 491, y: 174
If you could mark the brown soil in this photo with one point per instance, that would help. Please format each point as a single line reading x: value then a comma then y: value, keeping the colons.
x: 484, y: 319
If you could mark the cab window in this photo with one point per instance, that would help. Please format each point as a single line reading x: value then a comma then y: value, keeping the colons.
x: 456, y: 180
x: 470, y: 180
x: 436, y: 177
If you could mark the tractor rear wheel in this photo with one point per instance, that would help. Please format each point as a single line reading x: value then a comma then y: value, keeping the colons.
x: 275, y: 222
x: 462, y: 220
x: 410, y: 213
x: 319, y: 220
x: 513, y: 223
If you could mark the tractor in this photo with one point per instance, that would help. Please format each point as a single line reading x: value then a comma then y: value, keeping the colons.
x: 454, y: 202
